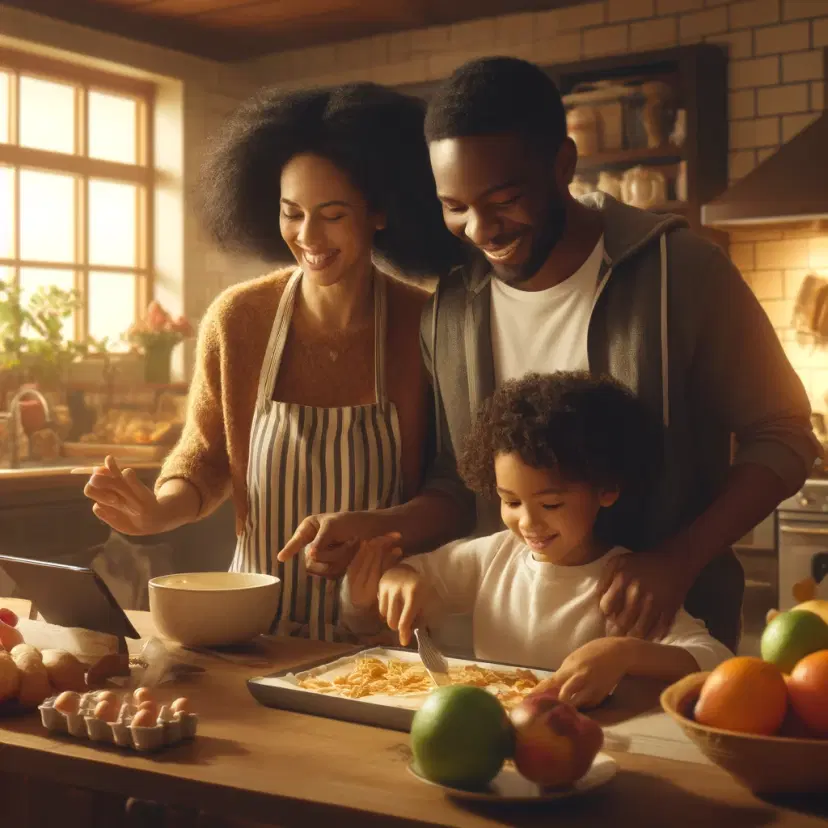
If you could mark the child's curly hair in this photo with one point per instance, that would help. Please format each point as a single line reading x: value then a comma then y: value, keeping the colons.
x: 590, y: 429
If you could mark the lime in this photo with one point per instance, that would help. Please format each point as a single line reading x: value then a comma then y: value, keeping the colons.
x: 460, y: 737
x: 791, y: 636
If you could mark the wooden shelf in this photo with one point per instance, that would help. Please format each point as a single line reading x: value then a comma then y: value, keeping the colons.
x: 677, y: 207
x: 699, y: 75
x: 631, y: 157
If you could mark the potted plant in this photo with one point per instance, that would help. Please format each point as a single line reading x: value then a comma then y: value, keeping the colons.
x: 31, y: 335
x: 155, y: 336
x: 33, y: 350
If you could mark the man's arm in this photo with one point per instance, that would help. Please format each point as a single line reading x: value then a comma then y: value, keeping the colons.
x: 741, y: 374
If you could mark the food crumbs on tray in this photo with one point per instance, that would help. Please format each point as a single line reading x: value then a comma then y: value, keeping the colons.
x: 374, y: 677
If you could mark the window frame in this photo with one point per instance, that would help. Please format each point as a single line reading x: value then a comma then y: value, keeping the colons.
x: 83, y: 168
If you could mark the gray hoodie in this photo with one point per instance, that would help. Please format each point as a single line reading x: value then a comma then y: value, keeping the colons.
x: 674, y: 321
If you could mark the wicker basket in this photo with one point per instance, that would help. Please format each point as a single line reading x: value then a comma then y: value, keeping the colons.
x: 763, y: 764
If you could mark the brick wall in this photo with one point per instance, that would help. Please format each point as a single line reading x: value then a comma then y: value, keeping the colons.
x: 776, y: 89
x: 774, y: 263
x: 776, y: 78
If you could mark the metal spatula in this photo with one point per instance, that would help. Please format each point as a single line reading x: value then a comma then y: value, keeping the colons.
x: 433, y: 660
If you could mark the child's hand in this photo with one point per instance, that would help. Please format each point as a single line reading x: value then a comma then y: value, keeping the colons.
x: 372, y: 559
x: 401, y: 600
x: 590, y: 674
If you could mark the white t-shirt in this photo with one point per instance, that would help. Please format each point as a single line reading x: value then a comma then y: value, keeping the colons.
x: 544, y: 331
x: 532, y: 613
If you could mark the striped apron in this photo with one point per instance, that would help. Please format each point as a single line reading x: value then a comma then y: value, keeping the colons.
x: 306, y: 461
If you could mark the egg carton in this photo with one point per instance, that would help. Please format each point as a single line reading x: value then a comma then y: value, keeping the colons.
x: 170, y: 728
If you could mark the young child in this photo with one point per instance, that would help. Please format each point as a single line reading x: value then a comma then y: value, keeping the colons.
x: 564, y: 453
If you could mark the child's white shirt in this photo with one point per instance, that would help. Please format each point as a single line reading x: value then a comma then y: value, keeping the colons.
x: 533, y: 613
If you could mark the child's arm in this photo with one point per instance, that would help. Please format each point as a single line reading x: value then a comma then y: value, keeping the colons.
x: 692, y: 636
x: 439, y: 583
x: 590, y: 674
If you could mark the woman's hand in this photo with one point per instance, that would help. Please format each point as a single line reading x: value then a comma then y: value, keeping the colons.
x: 331, y: 541
x: 123, y: 502
x: 402, y: 597
x: 590, y: 674
x: 372, y: 560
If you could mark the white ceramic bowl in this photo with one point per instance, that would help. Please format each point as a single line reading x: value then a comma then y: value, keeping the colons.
x: 213, y: 609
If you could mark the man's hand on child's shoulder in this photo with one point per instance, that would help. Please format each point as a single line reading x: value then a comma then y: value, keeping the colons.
x: 402, y: 599
x: 641, y: 593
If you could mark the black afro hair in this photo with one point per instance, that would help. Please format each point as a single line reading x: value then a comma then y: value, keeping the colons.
x: 372, y: 133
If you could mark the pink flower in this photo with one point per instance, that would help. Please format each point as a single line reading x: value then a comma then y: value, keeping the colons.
x: 157, y: 318
x: 181, y: 326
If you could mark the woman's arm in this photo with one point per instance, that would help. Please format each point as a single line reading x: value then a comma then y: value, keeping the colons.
x: 200, y: 457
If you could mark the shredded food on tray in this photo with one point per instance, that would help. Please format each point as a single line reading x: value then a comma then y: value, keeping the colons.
x: 374, y: 677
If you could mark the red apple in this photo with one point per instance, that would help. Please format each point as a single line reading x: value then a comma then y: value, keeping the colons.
x: 10, y: 637
x: 555, y: 745
x: 8, y: 617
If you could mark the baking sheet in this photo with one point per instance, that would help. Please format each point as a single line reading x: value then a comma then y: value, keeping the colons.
x: 282, y: 690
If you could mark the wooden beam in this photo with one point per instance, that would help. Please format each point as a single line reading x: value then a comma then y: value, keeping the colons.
x: 195, y: 36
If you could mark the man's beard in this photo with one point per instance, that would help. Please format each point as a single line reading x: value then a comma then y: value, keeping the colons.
x: 543, y: 244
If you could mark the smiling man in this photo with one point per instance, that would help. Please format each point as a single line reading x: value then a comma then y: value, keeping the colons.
x: 566, y: 284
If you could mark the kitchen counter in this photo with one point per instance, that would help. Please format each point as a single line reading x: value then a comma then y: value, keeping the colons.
x: 251, y: 765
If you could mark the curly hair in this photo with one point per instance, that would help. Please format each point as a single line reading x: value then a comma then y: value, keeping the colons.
x: 591, y: 430
x: 370, y: 132
x: 498, y: 95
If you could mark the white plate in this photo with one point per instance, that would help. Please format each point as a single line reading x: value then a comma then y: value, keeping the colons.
x: 510, y: 786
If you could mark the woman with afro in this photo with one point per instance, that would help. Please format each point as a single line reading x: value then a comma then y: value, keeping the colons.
x: 309, y: 398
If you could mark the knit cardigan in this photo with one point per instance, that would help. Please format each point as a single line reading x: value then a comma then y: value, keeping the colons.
x: 317, y: 369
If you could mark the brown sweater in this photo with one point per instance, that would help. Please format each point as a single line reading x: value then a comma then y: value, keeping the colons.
x: 212, y: 453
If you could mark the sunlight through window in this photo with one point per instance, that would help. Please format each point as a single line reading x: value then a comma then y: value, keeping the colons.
x: 76, y: 188
x: 47, y: 115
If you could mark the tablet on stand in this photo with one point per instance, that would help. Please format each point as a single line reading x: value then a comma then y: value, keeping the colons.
x: 71, y: 596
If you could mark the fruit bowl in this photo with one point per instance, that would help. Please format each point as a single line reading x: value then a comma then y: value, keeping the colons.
x: 763, y: 764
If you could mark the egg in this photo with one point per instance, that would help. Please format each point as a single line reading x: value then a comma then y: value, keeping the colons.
x: 142, y: 694
x: 68, y: 703
x: 106, y: 711
x: 144, y: 718
x: 151, y: 706
x: 105, y: 695
x: 181, y: 705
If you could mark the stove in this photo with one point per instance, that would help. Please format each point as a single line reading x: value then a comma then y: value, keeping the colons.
x: 802, y: 544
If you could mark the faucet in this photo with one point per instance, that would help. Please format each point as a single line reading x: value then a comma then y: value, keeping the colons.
x: 16, y: 421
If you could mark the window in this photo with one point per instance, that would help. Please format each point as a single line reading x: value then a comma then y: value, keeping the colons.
x: 76, y: 187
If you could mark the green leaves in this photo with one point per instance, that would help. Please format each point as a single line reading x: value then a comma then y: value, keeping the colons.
x: 31, y: 335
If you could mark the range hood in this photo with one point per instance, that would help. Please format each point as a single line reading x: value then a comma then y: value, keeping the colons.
x: 789, y: 187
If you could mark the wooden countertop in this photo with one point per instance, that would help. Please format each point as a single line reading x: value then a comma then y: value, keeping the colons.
x: 280, y: 768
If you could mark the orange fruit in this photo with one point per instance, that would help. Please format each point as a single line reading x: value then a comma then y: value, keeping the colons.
x: 744, y: 694
x: 808, y: 691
